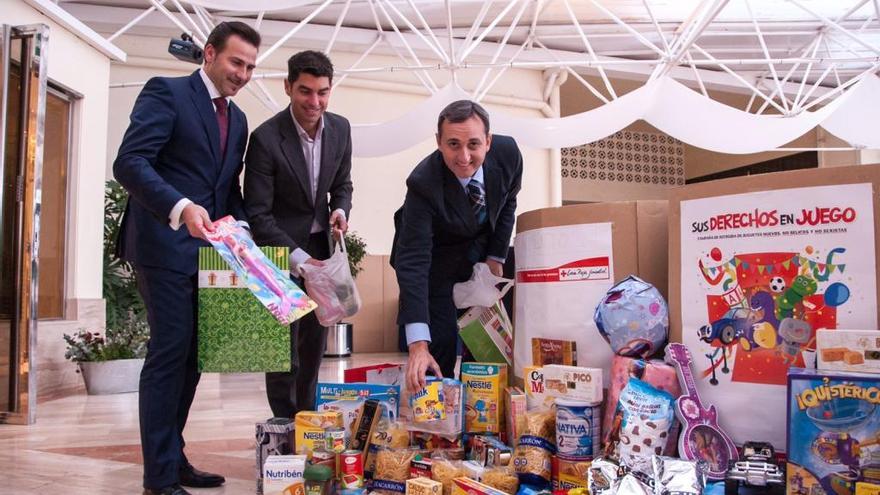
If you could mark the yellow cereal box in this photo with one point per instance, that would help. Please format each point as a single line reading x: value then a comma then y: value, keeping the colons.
x: 863, y: 488
x: 423, y: 486
x: 309, y: 429
x: 484, y: 385
x: 568, y: 474
x: 427, y: 404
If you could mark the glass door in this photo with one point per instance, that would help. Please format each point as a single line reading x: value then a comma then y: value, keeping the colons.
x: 22, y: 114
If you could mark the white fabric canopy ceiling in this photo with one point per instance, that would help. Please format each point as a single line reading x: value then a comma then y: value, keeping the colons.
x: 804, y: 62
x: 665, y: 103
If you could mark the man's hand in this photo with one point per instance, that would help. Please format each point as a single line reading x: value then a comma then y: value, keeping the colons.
x: 420, y: 361
x: 338, y: 223
x: 495, y: 267
x: 197, y: 221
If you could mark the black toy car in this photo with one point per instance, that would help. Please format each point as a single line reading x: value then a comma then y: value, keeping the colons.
x: 756, y: 467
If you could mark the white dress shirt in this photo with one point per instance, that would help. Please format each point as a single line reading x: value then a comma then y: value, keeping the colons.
x: 311, y: 148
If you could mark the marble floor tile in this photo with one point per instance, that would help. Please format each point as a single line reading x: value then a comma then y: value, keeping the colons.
x: 86, y: 444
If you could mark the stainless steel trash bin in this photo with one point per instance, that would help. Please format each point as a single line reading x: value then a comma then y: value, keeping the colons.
x: 339, y: 341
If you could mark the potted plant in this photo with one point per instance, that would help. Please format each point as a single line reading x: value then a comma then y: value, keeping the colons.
x: 112, y: 363
x: 356, y: 249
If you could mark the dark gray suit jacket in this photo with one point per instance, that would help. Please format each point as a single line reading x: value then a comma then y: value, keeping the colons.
x: 277, y: 194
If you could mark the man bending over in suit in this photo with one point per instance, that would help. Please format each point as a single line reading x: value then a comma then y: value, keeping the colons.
x: 297, y: 191
x: 179, y: 161
x: 459, y: 210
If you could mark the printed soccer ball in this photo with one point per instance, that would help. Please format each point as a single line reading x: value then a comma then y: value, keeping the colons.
x: 777, y: 284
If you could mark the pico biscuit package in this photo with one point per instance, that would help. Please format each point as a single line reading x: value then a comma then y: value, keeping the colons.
x: 573, y: 382
x: 833, y: 425
x: 848, y: 350
x: 484, y: 384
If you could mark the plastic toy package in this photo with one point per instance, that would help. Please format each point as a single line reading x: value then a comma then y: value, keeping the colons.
x: 833, y: 425
x: 634, y: 318
x: 272, y: 287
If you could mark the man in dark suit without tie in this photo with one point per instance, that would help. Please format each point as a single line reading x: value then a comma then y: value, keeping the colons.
x: 297, y: 192
x: 180, y: 162
x: 459, y: 210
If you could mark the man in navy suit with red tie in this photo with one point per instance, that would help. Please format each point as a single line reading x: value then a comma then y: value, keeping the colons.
x: 180, y: 162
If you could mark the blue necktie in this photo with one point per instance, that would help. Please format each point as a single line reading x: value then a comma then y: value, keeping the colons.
x: 477, y: 195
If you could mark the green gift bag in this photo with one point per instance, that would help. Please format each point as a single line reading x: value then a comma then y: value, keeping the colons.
x: 237, y: 334
x: 488, y: 334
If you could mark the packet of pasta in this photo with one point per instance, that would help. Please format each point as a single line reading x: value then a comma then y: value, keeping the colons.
x: 532, y: 459
x: 444, y: 471
x: 392, y: 470
x: 501, y: 478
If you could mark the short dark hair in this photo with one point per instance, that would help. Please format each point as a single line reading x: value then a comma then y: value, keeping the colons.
x: 221, y: 33
x: 310, y: 62
x: 461, y: 110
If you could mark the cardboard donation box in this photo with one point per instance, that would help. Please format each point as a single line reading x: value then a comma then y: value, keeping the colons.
x: 566, y: 260
x: 237, y: 334
x: 759, y: 264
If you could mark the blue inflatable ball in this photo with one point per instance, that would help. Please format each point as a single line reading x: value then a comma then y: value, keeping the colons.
x: 634, y: 318
x: 836, y: 294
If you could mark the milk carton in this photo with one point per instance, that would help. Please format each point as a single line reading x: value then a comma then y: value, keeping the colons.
x: 283, y: 475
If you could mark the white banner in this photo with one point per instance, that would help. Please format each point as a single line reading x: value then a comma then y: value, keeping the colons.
x: 760, y: 273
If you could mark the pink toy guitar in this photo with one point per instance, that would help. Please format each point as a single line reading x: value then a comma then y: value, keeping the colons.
x: 702, y: 439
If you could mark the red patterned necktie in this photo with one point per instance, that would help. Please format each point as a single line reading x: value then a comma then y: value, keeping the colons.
x: 223, y: 122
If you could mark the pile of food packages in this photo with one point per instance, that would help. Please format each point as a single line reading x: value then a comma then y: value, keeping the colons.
x: 481, y: 435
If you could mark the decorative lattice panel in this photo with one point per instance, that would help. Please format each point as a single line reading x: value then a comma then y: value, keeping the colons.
x: 629, y: 157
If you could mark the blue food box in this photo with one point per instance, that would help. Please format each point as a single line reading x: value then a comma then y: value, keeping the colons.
x: 833, y: 431
x: 347, y: 398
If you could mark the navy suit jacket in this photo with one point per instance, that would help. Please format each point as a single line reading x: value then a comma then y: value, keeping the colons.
x: 171, y: 151
x: 436, y: 233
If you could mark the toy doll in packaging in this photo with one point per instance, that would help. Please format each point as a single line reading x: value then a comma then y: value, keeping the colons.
x: 272, y: 287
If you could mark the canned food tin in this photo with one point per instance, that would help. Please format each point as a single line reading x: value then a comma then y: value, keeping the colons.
x: 578, y: 428
x: 351, y: 466
x: 324, y: 457
x: 334, y: 438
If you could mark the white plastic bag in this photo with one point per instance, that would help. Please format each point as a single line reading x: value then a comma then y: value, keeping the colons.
x: 332, y: 287
x: 481, y: 290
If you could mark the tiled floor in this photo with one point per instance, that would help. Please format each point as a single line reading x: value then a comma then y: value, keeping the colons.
x: 90, y: 444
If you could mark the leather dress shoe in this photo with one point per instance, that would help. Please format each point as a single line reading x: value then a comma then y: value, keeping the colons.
x: 174, y: 489
x: 192, y: 477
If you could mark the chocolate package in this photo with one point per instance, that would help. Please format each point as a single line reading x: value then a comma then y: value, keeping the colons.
x: 654, y: 372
